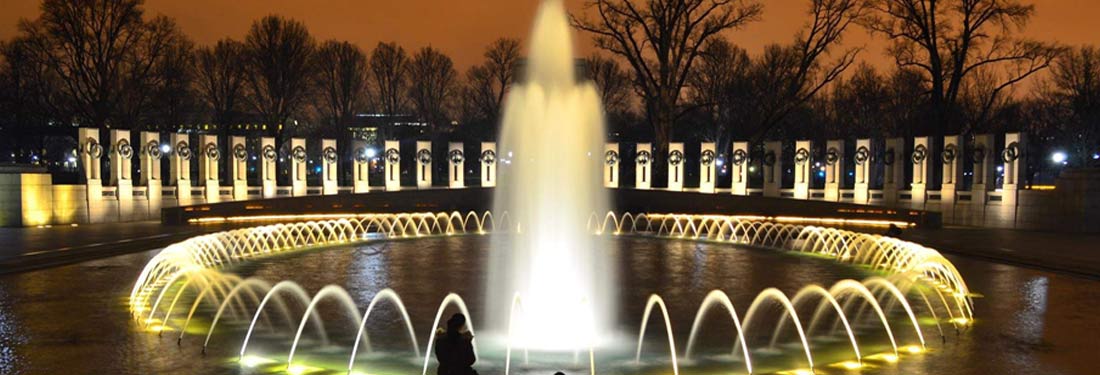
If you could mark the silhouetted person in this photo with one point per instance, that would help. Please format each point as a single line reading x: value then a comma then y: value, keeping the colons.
x: 455, y: 349
x: 894, y: 231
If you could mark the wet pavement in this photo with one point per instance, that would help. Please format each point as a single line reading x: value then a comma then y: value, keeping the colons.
x: 72, y: 319
x: 24, y: 249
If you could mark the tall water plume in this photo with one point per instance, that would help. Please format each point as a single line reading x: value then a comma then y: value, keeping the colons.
x: 551, y: 150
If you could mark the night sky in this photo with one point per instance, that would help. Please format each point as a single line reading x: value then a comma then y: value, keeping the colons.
x: 462, y: 28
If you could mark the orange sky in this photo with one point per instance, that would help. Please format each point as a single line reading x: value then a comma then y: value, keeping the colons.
x: 462, y: 28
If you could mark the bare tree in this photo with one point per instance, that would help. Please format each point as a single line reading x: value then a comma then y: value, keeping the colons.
x: 661, y: 40
x: 342, y: 79
x: 220, y: 79
x: 278, y: 56
x: 390, y: 66
x: 951, y: 41
x: 859, y: 105
x: 1071, y: 97
x: 28, y: 100
x: 100, y: 51
x: 174, y: 99
x: 611, y: 81
x: 720, y: 76
x: 434, y: 82
x: 790, y: 76
x: 157, y: 77
x: 487, y: 84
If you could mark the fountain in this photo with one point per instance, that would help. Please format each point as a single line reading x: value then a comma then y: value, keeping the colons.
x: 553, y: 132
x: 550, y: 277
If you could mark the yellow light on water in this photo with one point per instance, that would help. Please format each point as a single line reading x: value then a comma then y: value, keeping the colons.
x: 961, y: 321
x: 914, y: 349
x: 253, y: 361
x: 851, y: 365
x: 296, y: 369
x: 890, y: 358
x: 158, y: 328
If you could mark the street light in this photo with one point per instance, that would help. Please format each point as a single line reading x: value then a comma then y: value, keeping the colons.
x: 1059, y: 157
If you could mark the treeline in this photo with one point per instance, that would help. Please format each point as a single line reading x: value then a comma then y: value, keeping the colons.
x: 667, y: 72
x: 106, y: 63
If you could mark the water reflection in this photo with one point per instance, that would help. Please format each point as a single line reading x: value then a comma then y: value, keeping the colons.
x: 73, y: 319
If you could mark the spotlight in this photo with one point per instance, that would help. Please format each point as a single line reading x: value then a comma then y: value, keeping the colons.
x: 371, y: 152
x: 165, y: 148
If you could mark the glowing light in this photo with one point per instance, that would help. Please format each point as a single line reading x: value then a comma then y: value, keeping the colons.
x: 1059, y: 157
x: 165, y: 148
x: 851, y: 365
x: 914, y: 349
x: 158, y: 328
x: 253, y: 361
x: 296, y: 369
x: 890, y: 358
x: 961, y: 321
x: 371, y: 152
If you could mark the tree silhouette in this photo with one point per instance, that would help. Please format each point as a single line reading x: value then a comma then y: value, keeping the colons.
x: 661, y: 40
x: 953, y: 41
x: 434, y: 82
x: 342, y: 80
x: 278, y: 56
x: 220, y: 76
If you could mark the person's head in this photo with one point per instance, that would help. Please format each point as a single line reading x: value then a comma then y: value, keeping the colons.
x: 456, y: 322
x: 559, y: 373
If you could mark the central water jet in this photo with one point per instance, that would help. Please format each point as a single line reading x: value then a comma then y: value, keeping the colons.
x: 550, y: 182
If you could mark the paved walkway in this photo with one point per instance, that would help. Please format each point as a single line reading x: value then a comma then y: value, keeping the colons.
x: 24, y: 249
x: 1076, y: 254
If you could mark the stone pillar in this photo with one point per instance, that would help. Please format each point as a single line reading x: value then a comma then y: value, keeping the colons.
x: 611, y: 165
x: 423, y: 164
x: 985, y: 169
x: 238, y: 167
x: 91, y: 154
x: 739, y: 168
x: 952, y: 158
x: 1014, y: 157
x: 803, y: 168
x: 864, y: 174
x: 772, y: 168
x: 894, y: 174
x: 208, y: 167
x: 922, y: 165
x: 121, y: 156
x: 643, y: 168
x: 393, y: 165
x: 269, y: 156
x: 676, y: 166
x: 360, y: 173
x: 151, y: 153
x: 456, y: 163
x: 488, y: 164
x: 91, y: 150
x: 708, y: 174
x: 330, y: 167
x: 180, y: 168
x: 834, y: 169
x: 299, y: 164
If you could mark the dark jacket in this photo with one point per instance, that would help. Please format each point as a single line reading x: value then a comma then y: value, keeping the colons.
x: 455, y: 353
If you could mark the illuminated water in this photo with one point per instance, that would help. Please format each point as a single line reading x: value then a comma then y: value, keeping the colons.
x: 74, y: 318
x: 551, y: 139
